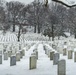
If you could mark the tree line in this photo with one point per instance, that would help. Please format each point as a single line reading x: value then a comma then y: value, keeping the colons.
x: 52, y: 20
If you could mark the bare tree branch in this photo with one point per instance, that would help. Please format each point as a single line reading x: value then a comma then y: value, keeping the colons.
x: 63, y: 3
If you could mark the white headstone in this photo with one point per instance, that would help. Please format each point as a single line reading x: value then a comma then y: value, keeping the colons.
x: 64, y: 51
x: 51, y: 55
x: 0, y: 58
x: 75, y: 56
x: 21, y: 53
x: 55, y: 58
x: 9, y: 53
x: 17, y: 56
x: 70, y: 54
x: 32, y: 62
x: 61, y: 67
x: 0, y: 51
x: 5, y: 55
x: 12, y: 60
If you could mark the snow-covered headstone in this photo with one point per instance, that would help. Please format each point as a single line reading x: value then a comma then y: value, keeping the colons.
x: 75, y: 56
x: 55, y: 58
x: 34, y: 50
x: 9, y: 53
x: 5, y: 55
x: 44, y: 47
x: 17, y: 56
x: 0, y: 52
x: 70, y: 54
x: 13, y: 52
x: 32, y: 62
x: 51, y: 55
x: 13, y: 60
x: 4, y: 50
x: 1, y: 46
x: 27, y: 48
x: 0, y: 58
x: 37, y: 54
x: 34, y: 53
x: 21, y: 53
x: 61, y: 67
x: 64, y: 51
x: 20, y: 47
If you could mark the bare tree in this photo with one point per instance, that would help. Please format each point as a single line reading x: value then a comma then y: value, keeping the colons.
x: 13, y: 11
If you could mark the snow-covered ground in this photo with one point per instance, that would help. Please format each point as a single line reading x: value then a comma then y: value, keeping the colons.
x: 44, y: 65
x: 31, y: 42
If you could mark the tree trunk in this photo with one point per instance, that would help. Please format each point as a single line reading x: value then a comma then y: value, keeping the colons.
x: 38, y: 28
x: 38, y: 17
x: 34, y: 19
x: 35, y: 29
x: 52, y: 32
x: 14, y: 27
x: 19, y: 33
x: 14, y: 24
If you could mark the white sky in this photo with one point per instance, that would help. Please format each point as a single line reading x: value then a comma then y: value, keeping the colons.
x: 25, y: 1
x: 29, y: 1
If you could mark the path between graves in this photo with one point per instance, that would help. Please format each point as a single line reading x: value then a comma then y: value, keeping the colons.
x: 45, y: 66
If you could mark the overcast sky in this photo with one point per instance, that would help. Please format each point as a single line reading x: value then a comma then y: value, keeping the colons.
x: 25, y: 1
x: 29, y: 1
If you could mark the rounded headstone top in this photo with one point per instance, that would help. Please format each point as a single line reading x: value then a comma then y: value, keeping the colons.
x: 70, y: 50
x: 75, y: 49
x: 61, y: 59
x: 33, y: 56
x: 17, y: 52
x: 20, y: 50
x: 13, y: 55
x: 65, y: 46
x: 56, y: 52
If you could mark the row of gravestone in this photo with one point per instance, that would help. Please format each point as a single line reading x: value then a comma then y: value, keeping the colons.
x: 69, y: 53
x: 17, y: 45
x: 55, y: 56
x: 52, y: 54
x: 65, y: 52
x: 63, y: 44
x: 33, y: 59
x: 13, y: 58
x: 14, y: 55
